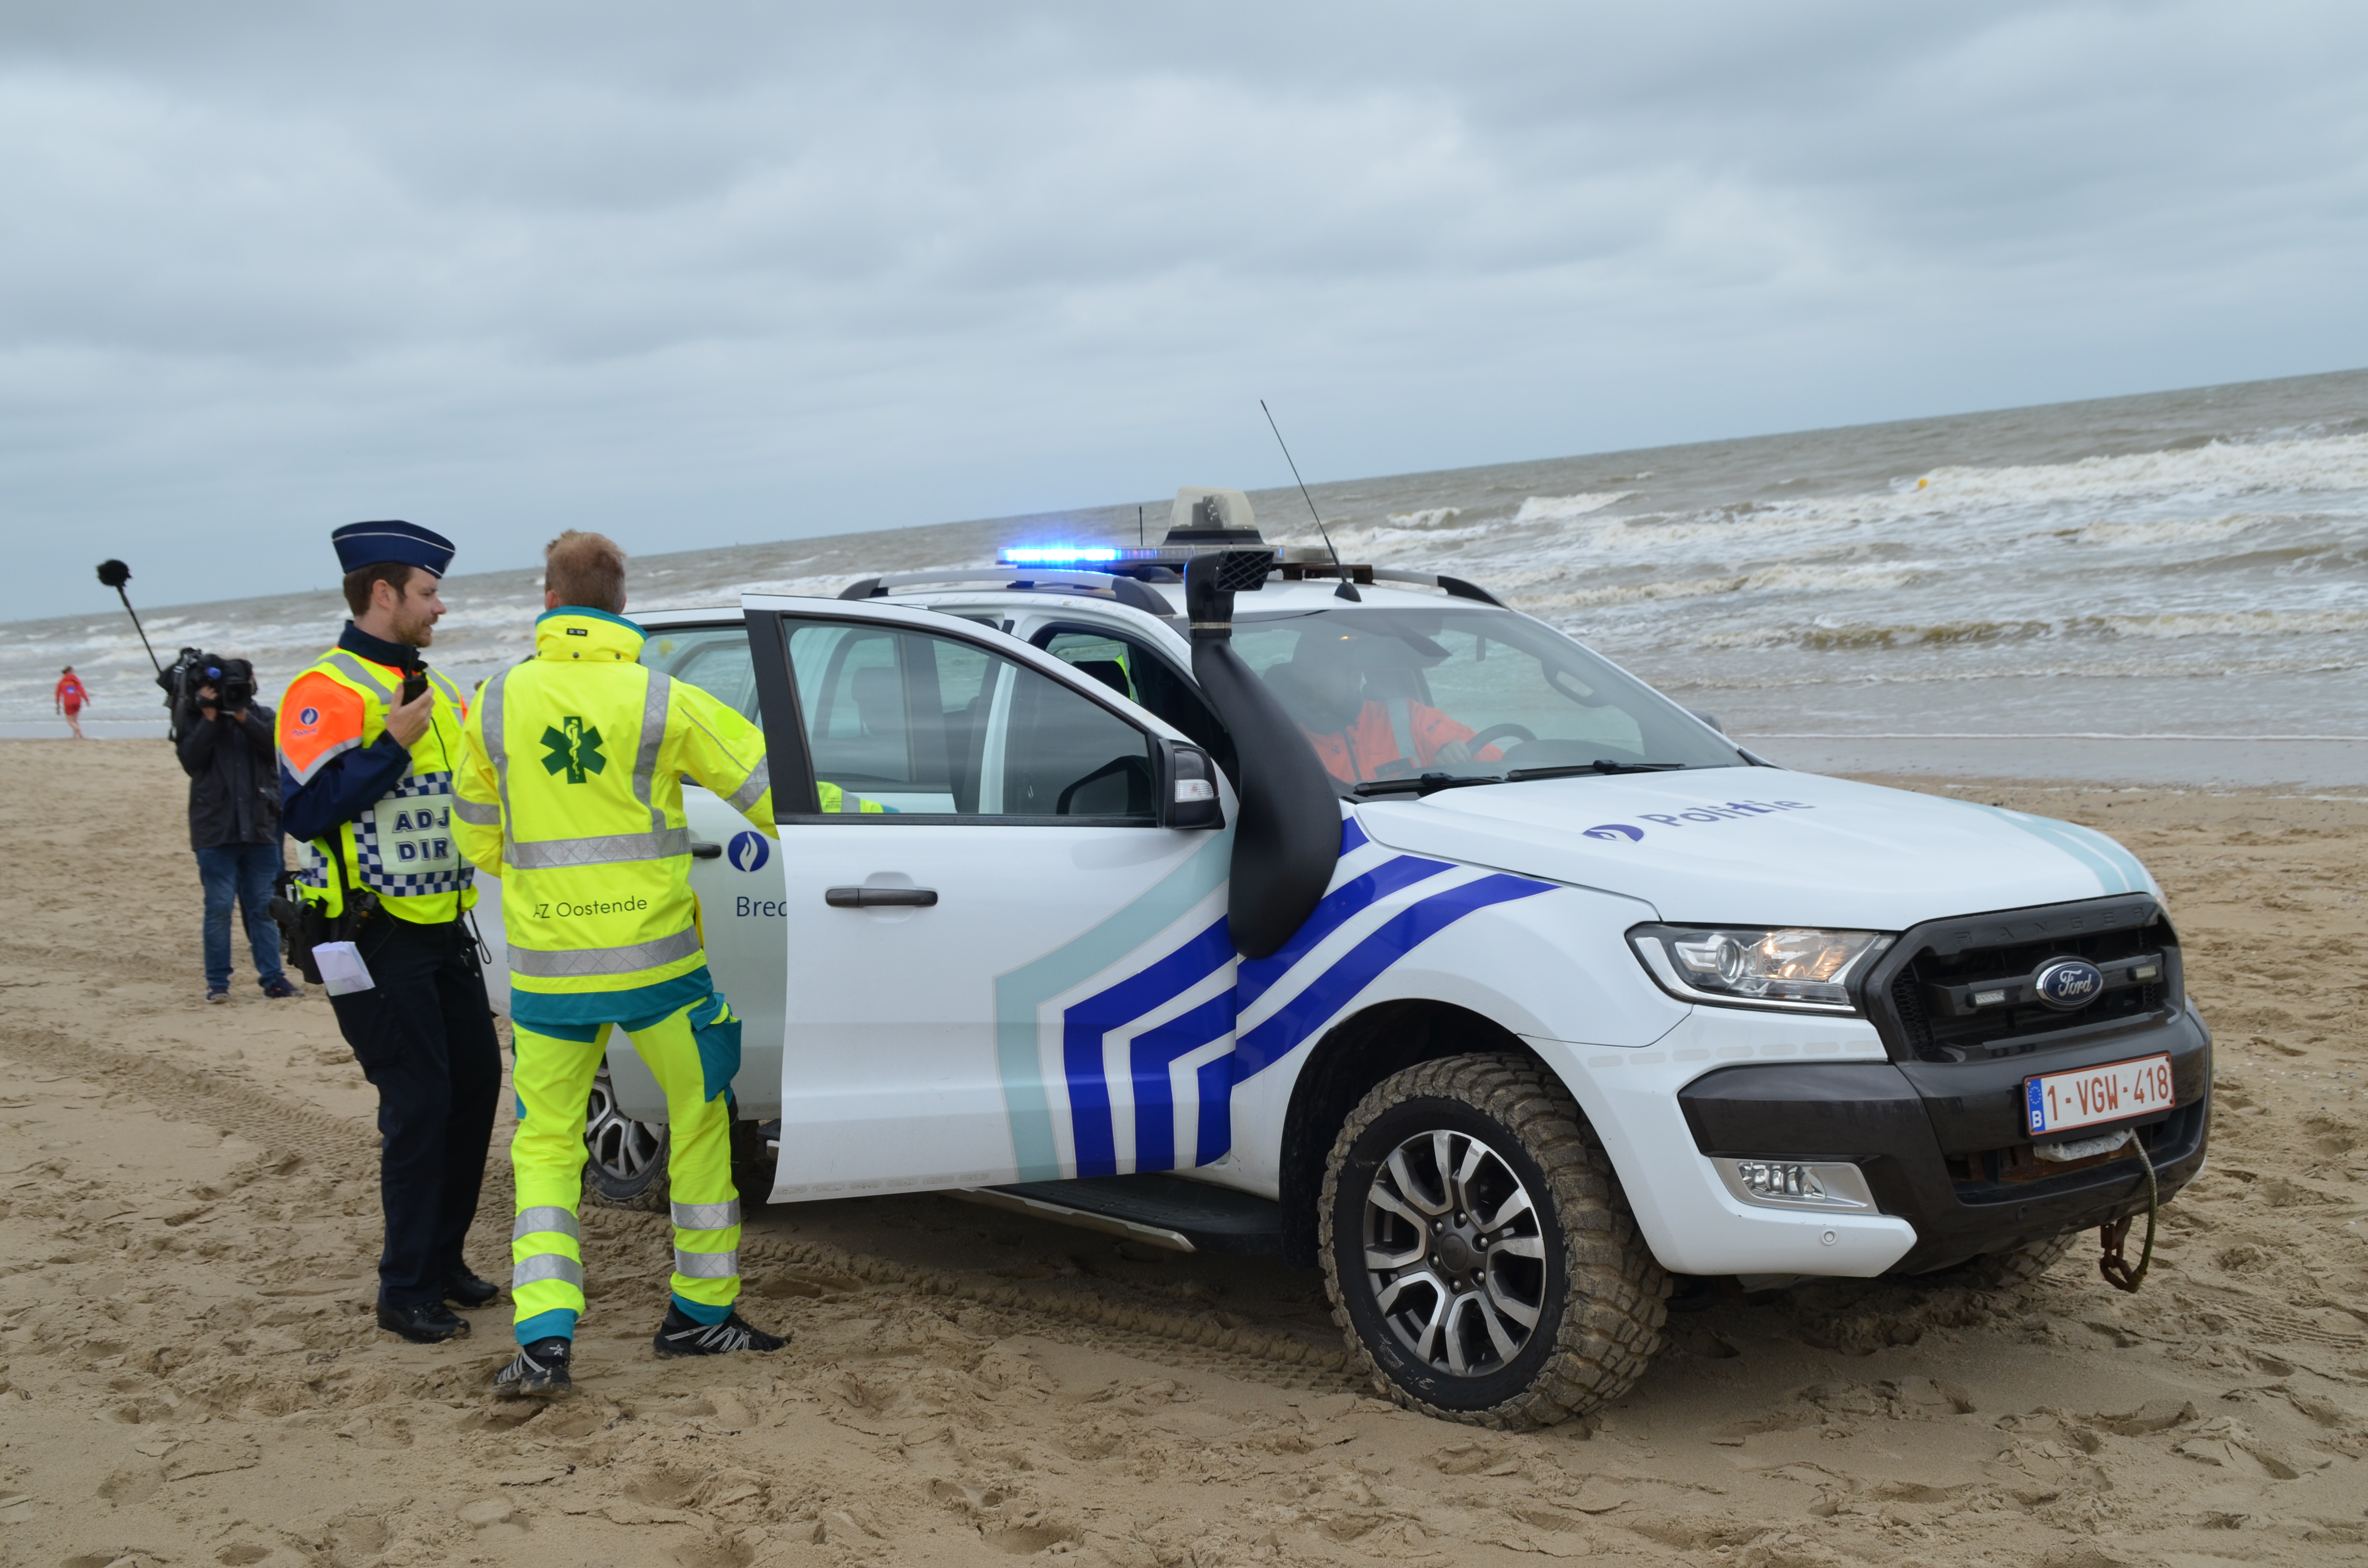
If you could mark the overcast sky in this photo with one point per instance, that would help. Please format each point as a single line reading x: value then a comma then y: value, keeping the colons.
x: 715, y: 272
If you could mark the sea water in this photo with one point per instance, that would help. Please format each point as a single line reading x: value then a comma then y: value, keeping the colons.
x: 2169, y: 586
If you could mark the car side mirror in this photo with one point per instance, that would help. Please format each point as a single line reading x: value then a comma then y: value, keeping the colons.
x: 1188, y: 787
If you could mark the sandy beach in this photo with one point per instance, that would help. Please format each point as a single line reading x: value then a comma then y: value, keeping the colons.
x: 189, y: 1372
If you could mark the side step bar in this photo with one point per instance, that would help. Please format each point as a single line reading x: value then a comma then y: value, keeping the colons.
x: 1155, y: 1209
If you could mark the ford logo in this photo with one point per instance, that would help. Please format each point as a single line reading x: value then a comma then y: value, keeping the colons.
x: 2070, y: 984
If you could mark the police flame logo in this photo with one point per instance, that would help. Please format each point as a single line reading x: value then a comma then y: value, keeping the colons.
x: 748, y: 851
x: 1615, y: 830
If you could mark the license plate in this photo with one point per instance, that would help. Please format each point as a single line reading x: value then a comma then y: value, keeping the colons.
x: 2113, y: 1092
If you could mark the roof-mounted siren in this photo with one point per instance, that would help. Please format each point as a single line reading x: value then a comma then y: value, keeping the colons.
x: 1208, y: 517
x: 1204, y: 518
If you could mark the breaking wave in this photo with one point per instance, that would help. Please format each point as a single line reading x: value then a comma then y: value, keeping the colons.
x: 1562, y: 508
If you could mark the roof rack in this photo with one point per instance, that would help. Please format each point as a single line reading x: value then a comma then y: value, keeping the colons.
x: 1125, y: 590
x: 1455, y: 587
x: 1131, y: 592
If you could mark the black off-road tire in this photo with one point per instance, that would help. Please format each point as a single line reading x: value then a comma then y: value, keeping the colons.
x: 625, y: 1163
x: 1602, y: 1294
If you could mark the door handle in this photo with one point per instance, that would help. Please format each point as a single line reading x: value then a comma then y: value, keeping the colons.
x: 702, y: 850
x: 879, y: 898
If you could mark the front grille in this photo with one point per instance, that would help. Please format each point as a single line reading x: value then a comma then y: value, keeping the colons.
x: 1927, y: 985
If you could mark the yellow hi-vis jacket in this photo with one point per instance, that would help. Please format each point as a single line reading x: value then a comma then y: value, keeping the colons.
x: 571, y: 793
x: 402, y: 847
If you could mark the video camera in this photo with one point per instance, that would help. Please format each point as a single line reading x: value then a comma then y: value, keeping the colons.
x: 233, y: 680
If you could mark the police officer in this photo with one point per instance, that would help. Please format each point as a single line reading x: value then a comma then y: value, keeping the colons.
x: 366, y: 779
x: 572, y: 794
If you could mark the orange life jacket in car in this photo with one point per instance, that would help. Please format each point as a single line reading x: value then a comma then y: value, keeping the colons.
x: 1387, y: 740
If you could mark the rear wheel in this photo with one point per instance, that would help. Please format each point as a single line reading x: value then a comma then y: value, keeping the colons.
x: 626, y: 1164
x: 1479, y: 1253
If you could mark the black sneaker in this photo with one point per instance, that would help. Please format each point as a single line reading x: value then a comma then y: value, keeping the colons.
x: 279, y: 988
x: 468, y: 1289
x: 683, y: 1335
x: 429, y: 1322
x: 540, y: 1371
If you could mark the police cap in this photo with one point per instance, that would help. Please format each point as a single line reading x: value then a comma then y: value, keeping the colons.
x: 366, y: 544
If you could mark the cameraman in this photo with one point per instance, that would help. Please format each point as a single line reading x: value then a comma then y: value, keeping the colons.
x: 227, y: 749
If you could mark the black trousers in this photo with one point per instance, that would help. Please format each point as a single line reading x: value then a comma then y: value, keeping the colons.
x: 425, y: 1038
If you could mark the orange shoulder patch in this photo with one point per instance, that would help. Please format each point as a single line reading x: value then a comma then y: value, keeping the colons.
x: 317, y: 715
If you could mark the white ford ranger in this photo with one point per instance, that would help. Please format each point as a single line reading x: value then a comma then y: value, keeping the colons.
x: 1417, y: 942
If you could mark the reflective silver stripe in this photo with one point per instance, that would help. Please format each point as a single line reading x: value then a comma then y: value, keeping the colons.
x: 751, y: 793
x: 707, y: 1265
x: 566, y: 963
x: 451, y: 693
x: 546, y: 1265
x: 487, y: 814
x: 534, y: 1222
x: 498, y: 750
x: 304, y: 775
x: 546, y: 854
x: 349, y: 666
x: 654, y: 702
x: 706, y: 1216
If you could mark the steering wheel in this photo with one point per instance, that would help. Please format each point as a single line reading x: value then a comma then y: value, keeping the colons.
x: 1496, y: 732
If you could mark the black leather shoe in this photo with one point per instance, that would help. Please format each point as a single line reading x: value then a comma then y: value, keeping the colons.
x: 469, y: 1290
x: 429, y: 1322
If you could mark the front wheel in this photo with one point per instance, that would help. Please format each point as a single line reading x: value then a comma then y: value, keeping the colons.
x: 625, y: 1164
x: 1479, y: 1254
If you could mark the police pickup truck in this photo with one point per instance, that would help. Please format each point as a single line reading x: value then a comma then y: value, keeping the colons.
x: 1408, y: 937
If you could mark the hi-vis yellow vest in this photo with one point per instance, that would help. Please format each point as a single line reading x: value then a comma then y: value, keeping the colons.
x: 403, y: 848
x: 571, y: 793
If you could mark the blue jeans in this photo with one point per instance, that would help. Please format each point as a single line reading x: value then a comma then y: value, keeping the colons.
x: 242, y: 872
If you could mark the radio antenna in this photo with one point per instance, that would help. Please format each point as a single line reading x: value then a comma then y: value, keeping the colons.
x: 1347, y: 589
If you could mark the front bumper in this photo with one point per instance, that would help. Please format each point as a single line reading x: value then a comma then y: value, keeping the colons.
x: 1942, y: 1144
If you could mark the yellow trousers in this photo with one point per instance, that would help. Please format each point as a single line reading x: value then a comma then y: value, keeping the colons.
x: 693, y: 1052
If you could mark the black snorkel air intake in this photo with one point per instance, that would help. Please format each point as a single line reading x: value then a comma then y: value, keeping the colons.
x: 1287, y: 835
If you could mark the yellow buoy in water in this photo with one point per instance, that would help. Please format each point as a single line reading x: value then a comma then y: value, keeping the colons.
x: 1922, y: 483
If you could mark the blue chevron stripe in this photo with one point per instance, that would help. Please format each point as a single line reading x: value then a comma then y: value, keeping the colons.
x: 1292, y: 1024
x: 1152, y: 1054
x: 1083, y: 1025
x: 1338, y: 908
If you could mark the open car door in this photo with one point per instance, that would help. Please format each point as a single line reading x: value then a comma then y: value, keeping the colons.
x: 1007, y: 954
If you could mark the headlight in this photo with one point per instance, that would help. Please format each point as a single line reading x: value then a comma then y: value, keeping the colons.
x: 1793, y: 967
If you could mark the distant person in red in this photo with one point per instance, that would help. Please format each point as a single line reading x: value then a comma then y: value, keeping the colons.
x: 1356, y: 736
x: 72, y: 698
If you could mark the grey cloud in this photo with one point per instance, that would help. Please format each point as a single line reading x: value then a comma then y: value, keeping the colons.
x: 745, y: 271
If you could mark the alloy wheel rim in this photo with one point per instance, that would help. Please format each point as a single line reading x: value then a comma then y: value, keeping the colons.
x: 1454, y: 1254
x: 621, y: 1147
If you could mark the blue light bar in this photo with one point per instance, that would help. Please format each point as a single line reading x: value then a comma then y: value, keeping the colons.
x: 1060, y: 555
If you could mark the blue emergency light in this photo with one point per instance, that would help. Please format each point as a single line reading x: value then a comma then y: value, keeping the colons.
x: 1060, y: 555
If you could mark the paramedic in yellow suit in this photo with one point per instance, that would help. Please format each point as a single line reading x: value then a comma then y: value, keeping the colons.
x: 571, y: 792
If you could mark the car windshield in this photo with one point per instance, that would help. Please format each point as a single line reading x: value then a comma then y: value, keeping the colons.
x: 1470, y: 693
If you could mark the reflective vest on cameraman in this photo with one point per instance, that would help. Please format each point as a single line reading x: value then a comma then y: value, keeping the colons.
x: 572, y: 793
x: 403, y: 848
